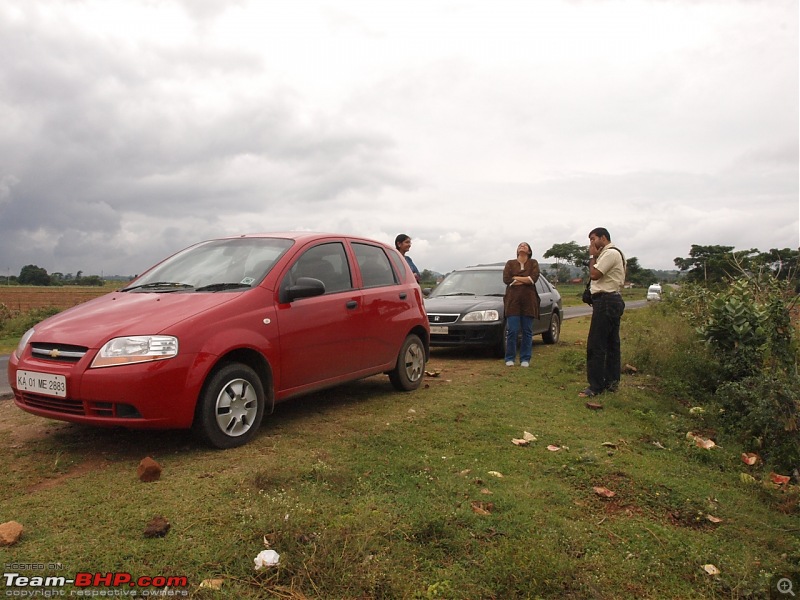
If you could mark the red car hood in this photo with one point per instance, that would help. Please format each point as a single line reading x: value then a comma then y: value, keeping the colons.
x: 126, y: 313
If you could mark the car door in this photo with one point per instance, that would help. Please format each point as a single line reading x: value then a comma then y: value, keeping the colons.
x: 545, y: 307
x: 320, y: 337
x: 385, y: 304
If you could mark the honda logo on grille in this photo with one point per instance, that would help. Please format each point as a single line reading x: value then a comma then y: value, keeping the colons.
x: 436, y: 318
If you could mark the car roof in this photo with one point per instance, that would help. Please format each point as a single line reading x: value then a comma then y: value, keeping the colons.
x: 302, y: 236
x: 491, y: 267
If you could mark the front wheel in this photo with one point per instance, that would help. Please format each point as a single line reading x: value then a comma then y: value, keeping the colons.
x: 407, y: 374
x: 231, y: 407
x: 553, y: 333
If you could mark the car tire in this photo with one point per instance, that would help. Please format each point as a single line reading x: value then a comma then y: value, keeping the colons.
x: 410, y: 367
x: 230, y: 407
x: 553, y: 333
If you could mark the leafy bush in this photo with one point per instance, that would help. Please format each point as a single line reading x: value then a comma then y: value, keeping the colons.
x: 748, y: 329
x: 764, y: 413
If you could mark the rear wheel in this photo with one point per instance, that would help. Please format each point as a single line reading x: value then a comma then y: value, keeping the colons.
x: 553, y: 333
x: 407, y: 374
x: 231, y: 407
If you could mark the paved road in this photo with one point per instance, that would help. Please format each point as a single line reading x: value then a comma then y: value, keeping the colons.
x: 569, y: 313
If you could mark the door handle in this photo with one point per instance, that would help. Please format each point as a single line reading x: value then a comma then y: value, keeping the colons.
x: 403, y: 295
x: 352, y: 304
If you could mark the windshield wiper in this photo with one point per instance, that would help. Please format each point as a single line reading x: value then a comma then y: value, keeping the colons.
x: 217, y: 287
x: 460, y: 294
x: 159, y: 284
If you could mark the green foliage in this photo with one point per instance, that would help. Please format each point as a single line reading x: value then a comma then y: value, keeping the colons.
x: 33, y: 275
x: 764, y: 412
x: 14, y: 325
x: 750, y: 365
x: 748, y: 325
x: 567, y: 253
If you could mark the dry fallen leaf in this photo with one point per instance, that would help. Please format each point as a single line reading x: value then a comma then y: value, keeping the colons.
x: 433, y: 373
x: 749, y: 458
x: 213, y: 584
x: 496, y: 474
x: 465, y: 472
x: 609, y: 445
x: 553, y: 448
x: 486, y: 492
x: 519, y: 442
x: 779, y: 479
x: 711, y: 569
x: 690, y: 436
x: 604, y: 492
x: 594, y: 406
x: 482, y: 508
x: 526, y: 435
x: 713, y: 519
x: 704, y: 443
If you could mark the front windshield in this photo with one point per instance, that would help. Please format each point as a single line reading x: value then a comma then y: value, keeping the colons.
x: 471, y: 283
x: 216, y: 265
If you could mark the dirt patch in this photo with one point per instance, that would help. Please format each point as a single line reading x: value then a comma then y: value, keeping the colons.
x: 18, y: 428
x: 88, y: 466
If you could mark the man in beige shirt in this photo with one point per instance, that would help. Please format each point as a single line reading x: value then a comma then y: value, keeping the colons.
x: 607, y: 272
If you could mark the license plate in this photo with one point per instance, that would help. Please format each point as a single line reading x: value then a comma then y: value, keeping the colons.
x: 440, y: 329
x: 42, y: 383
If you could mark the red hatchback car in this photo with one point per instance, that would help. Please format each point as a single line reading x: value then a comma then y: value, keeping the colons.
x: 214, y: 336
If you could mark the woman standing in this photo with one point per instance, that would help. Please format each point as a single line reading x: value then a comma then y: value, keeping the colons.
x: 521, y: 304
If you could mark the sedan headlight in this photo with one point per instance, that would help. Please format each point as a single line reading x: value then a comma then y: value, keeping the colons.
x: 24, y: 342
x: 136, y: 349
x: 481, y: 315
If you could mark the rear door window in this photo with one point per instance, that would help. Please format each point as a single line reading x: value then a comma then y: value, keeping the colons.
x: 376, y: 270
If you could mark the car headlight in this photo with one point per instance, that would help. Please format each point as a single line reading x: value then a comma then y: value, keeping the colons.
x: 136, y: 349
x: 24, y: 342
x: 481, y: 315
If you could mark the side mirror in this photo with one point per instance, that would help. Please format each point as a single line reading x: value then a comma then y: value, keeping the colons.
x: 426, y: 292
x: 304, y: 287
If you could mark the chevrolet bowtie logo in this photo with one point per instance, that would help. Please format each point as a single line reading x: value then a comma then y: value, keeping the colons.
x: 54, y: 353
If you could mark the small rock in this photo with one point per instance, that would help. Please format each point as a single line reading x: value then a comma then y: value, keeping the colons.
x: 148, y: 470
x: 10, y: 532
x: 157, y: 527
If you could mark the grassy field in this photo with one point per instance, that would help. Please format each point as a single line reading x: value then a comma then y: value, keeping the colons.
x: 370, y: 493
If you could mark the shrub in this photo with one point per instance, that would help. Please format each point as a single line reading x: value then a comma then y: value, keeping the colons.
x: 763, y: 411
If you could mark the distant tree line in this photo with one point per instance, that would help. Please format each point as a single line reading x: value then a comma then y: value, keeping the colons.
x: 35, y: 275
x: 569, y: 254
x: 715, y: 265
x: 708, y: 265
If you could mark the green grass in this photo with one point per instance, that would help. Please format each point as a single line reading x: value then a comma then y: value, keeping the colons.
x: 368, y: 493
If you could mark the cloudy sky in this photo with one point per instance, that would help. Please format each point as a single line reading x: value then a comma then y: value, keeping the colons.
x: 130, y: 129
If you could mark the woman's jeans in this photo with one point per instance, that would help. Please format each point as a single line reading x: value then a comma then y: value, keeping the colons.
x: 513, y: 326
x: 603, y: 356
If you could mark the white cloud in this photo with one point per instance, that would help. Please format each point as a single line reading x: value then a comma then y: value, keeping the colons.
x: 132, y: 129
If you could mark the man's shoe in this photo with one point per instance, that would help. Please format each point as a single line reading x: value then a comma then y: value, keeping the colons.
x: 612, y: 387
x: 509, y: 363
x: 524, y: 363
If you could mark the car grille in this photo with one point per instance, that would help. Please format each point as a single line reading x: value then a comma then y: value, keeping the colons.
x: 58, y: 352
x: 65, y: 406
x: 442, y: 319
x: 51, y: 403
